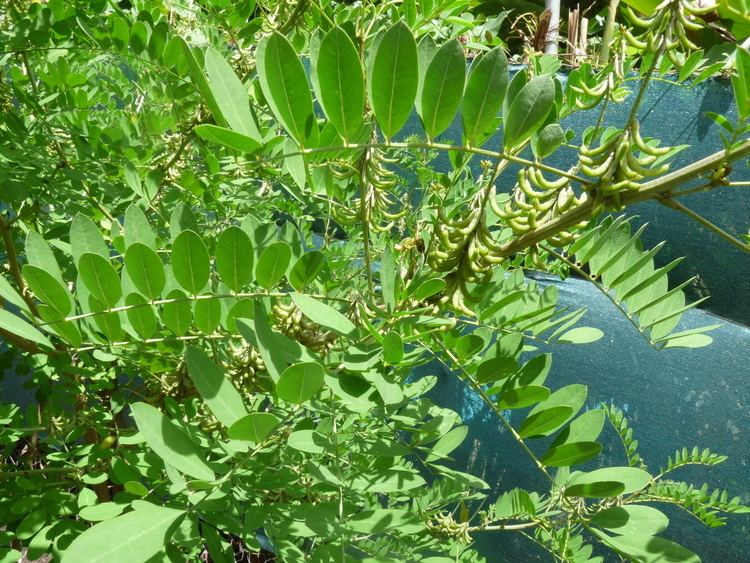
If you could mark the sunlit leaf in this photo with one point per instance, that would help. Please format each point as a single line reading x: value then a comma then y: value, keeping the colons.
x: 190, y: 261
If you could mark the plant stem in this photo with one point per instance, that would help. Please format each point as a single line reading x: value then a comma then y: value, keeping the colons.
x: 503, y: 527
x: 655, y: 189
x: 364, y: 215
x: 189, y: 298
x: 430, y: 146
x: 490, y: 403
x: 15, y: 270
x: 609, y: 29
x: 706, y: 223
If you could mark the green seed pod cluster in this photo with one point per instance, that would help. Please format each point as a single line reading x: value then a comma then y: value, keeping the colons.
x: 667, y: 28
x: 380, y: 200
x: 289, y: 320
x: 445, y: 526
x: 621, y: 161
x: 537, y: 200
x: 246, y: 369
x: 465, y: 247
x: 606, y: 87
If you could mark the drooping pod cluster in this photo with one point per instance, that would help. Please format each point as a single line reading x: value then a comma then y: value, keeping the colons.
x: 621, y: 160
x: 465, y: 247
x: 592, y: 88
x: 377, y: 181
x: 289, y: 320
x: 537, y: 200
x: 245, y: 365
x: 667, y: 28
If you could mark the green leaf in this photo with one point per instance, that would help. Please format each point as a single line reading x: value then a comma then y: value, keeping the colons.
x: 383, y: 519
x: 9, y: 294
x: 137, y: 228
x: 393, y: 348
x: 325, y: 315
x: 528, y: 111
x: 448, y: 443
x: 570, y: 453
x: 39, y: 254
x: 230, y: 95
x: 254, y: 427
x: 227, y: 138
x: 272, y: 264
x: 388, y: 278
x: 547, y: 141
x: 306, y: 269
x: 393, y: 78
x: 142, y: 318
x: 102, y: 511
x: 443, y: 88
x: 645, y: 548
x: 484, y: 94
x: 177, y: 316
x: 341, y: 84
x: 284, y: 84
x: 544, y: 422
x: 48, y: 289
x: 598, y: 489
x: 300, y: 382
x: 220, y: 395
x: 207, y: 314
x: 85, y: 236
x: 191, y: 264
x: 308, y: 441
x: 581, y: 335
x: 145, y: 270
x: 585, y: 428
x: 100, y: 278
x: 741, y: 83
x: 234, y: 258
x: 632, y: 478
x: 19, y: 327
x: 139, y: 535
x: 182, y: 219
x: 522, y: 397
x: 632, y: 519
x: 170, y: 442
x: 572, y: 396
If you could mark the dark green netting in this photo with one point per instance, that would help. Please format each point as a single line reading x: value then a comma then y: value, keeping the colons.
x: 673, y: 398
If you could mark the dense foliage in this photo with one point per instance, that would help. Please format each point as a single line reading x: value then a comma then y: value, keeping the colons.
x: 228, y: 245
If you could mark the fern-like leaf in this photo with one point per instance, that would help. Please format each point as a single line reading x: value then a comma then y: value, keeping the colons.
x: 619, y: 267
x: 695, y: 456
x: 704, y: 505
x: 617, y: 418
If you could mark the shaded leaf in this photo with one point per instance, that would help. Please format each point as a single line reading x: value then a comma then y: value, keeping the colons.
x: 254, y: 427
x: 300, y: 382
x: 139, y: 535
x: 215, y: 388
x: 272, y: 264
x: 170, y: 442
x: 323, y: 314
